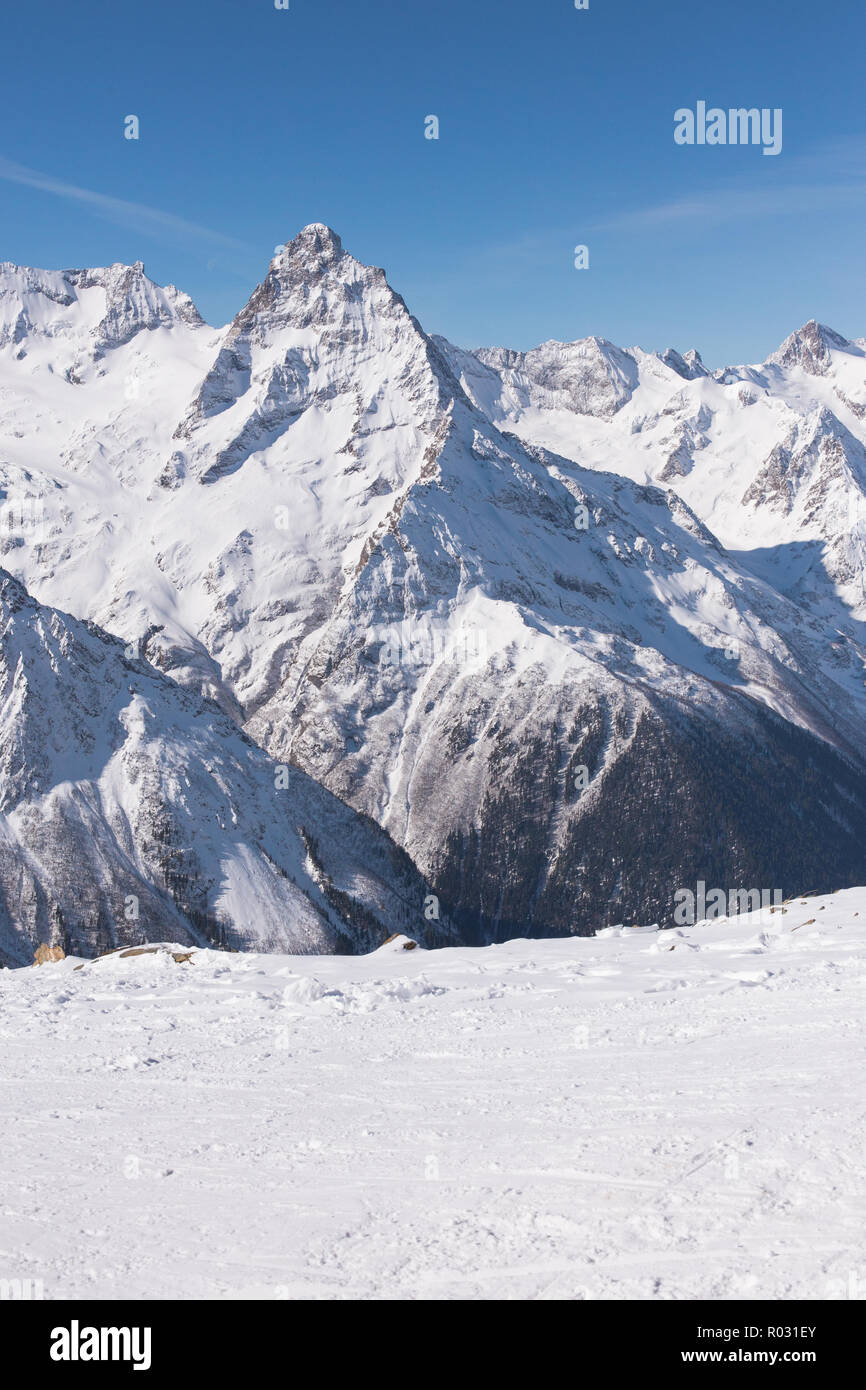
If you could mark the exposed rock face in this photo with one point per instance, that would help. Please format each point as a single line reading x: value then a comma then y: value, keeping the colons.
x: 818, y: 455
x: 689, y: 437
x: 687, y: 365
x: 811, y: 348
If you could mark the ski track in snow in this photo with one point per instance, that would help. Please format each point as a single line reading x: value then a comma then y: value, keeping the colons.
x: 653, y: 1116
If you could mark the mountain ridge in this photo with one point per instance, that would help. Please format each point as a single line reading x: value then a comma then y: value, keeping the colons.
x: 425, y: 575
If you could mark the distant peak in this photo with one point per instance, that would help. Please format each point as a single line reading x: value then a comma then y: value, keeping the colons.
x: 809, y: 347
x: 688, y: 365
x: 50, y: 304
x: 814, y: 332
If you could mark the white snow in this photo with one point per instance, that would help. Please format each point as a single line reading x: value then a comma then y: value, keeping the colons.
x: 640, y: 1115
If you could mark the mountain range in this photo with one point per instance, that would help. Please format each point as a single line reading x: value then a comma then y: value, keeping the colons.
x: 532, y: 639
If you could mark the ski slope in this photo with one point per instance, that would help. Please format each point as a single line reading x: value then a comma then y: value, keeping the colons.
x: 637, y: 1115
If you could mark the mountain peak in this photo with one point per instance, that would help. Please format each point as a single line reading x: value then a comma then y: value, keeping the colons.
x: 810, y: 347
x: 688, y: 365
x: 324, y: 330
x: 315, y: 243
x: 321, y: 232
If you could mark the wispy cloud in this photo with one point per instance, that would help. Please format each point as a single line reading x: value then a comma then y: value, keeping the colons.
x: 734, y: 205
x: 825, y: 177
x: 145, y: 219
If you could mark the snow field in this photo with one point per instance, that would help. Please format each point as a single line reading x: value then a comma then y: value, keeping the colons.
x: 643, y: 1116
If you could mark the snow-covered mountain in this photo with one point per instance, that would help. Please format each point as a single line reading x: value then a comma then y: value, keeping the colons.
x: 485, y: 598
x: 131, y: 809
x: 772, y: 457
x: 83, y: 313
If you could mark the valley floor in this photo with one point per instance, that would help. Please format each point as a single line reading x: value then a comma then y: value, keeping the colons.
x: 675, y: 1115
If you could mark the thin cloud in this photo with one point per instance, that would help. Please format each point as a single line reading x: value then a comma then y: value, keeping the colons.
x: 830, y: 174
x: 118, y: 210
x: 731, y: 205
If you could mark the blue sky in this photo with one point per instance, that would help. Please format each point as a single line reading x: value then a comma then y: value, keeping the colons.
x: 556, y: 128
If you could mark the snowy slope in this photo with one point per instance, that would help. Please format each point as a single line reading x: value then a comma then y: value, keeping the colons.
x: 648, y: 1117
x: 130, y: 809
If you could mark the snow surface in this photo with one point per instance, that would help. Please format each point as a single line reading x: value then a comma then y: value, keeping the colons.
x: 639, y: 1115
